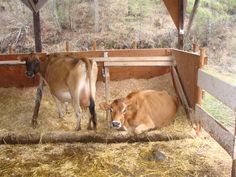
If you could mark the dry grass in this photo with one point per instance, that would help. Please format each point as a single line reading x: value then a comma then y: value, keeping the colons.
x: 188, y: 157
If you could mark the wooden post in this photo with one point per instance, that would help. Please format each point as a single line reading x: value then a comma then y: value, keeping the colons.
x: 38, y: 48
x: 181, y: 25
x: 107, y: 89
x: 199, y: 91
x: 10, y: 50
x: 94, y: 45
x: 67, y: 46
x: 233, y: 170
x: 37, y: 30
x: 201, y: 64
x: 134, y: 45
x: 195, y: 48
x: 192, y: 15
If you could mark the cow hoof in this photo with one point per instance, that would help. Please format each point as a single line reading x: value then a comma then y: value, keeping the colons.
x: 34, y: 124
x: 89, y: 127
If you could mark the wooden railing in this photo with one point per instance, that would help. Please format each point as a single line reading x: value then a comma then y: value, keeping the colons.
x: 226, y: 93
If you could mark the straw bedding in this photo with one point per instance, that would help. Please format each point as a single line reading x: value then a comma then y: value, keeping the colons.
x: 188, y: 157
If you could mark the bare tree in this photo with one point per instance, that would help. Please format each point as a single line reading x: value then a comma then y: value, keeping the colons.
x: 55, y: 15
x: 96, y: 15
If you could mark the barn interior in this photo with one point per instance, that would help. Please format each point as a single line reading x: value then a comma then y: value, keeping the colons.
x: 174, y: 150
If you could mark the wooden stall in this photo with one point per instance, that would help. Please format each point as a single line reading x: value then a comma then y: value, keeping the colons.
x: 14, y: 71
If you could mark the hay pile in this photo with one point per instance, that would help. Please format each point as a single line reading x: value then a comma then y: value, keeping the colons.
x: 184, y: 158
x: 187, y: 157
x: 17, y: 105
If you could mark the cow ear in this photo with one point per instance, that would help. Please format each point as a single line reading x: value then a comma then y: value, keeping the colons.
x: 104, y: 106
x: 37, y: 57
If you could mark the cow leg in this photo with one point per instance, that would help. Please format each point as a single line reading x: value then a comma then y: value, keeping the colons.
x: 38, y: 99
x: 93, y: 117
x: 59, y: 107
x: 93, y: 80
x: 148, y: 125
x: 67, y: 107
x: 76, y: 106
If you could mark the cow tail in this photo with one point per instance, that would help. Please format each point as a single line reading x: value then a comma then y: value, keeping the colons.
x: 88, y: 71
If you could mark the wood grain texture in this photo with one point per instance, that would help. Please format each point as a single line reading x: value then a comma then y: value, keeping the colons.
x: 215, y: 129
x: 187, y: 68
x: 223, y: 91
x: 138, y: 64
x: 14, y: 76
x: 85, y: 137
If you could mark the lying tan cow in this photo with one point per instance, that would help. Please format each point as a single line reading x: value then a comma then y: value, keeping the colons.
x: 70, y: 80
x: 142, y: 111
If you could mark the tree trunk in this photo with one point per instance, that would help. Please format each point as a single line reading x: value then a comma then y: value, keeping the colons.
x: 96, y: 16
x: 85, y: 137
x: 55, y: 16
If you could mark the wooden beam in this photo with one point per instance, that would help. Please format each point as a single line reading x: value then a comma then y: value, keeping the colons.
x: 223, y: 91
x: 123, y: 64
x: 233, y: 170
x: 180, y: 91
x: 40, y: 4
x: 200, y: 66
x: 181, y: 24
x: 192, y: 15
x: 135, y: 59
x: 187, y: 68
x: 215, y: 129
x: 12, y: 62
x: 37, y: 32
x: 33, y: 5
x: 86, y: 137
x: 159, y: 52
x: 172, y: 7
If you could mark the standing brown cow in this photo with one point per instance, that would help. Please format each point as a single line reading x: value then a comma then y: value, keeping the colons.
x: 142, y: 111
x: 69, y: 79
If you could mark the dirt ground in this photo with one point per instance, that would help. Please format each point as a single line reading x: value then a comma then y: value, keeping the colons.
x: 197, y: 157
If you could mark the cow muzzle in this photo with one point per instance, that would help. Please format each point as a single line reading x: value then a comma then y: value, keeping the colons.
x: 116, y: 124
x: 29, y: 74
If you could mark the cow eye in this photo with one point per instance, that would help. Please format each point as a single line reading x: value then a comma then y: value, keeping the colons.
x: 124, y: 110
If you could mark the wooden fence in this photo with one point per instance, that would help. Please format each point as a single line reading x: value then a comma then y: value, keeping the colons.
x: 226, y: 93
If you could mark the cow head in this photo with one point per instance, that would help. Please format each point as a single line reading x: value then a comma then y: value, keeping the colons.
x: 32, y: 65
x: 118, y: 109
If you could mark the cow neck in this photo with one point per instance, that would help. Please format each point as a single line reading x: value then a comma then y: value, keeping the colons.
x: 43, y: 67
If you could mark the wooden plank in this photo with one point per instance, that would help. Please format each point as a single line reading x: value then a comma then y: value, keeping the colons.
x: 215, y: 129
x: 99, y: 53
x: 139, y: 59
x: 14, y: 76
x: 12, y: 62
x: 122, y: 73
x: 187, y: 68
x: 172, y: 7
x: 26, y: 2
x: 223, y: 91
x: 160, y: 63
x: 4, y: 57
x: 181, y: 24
x: 180, y: 90
x: 122, y: 53
x: 86, y: 137
x: 40, y: 4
